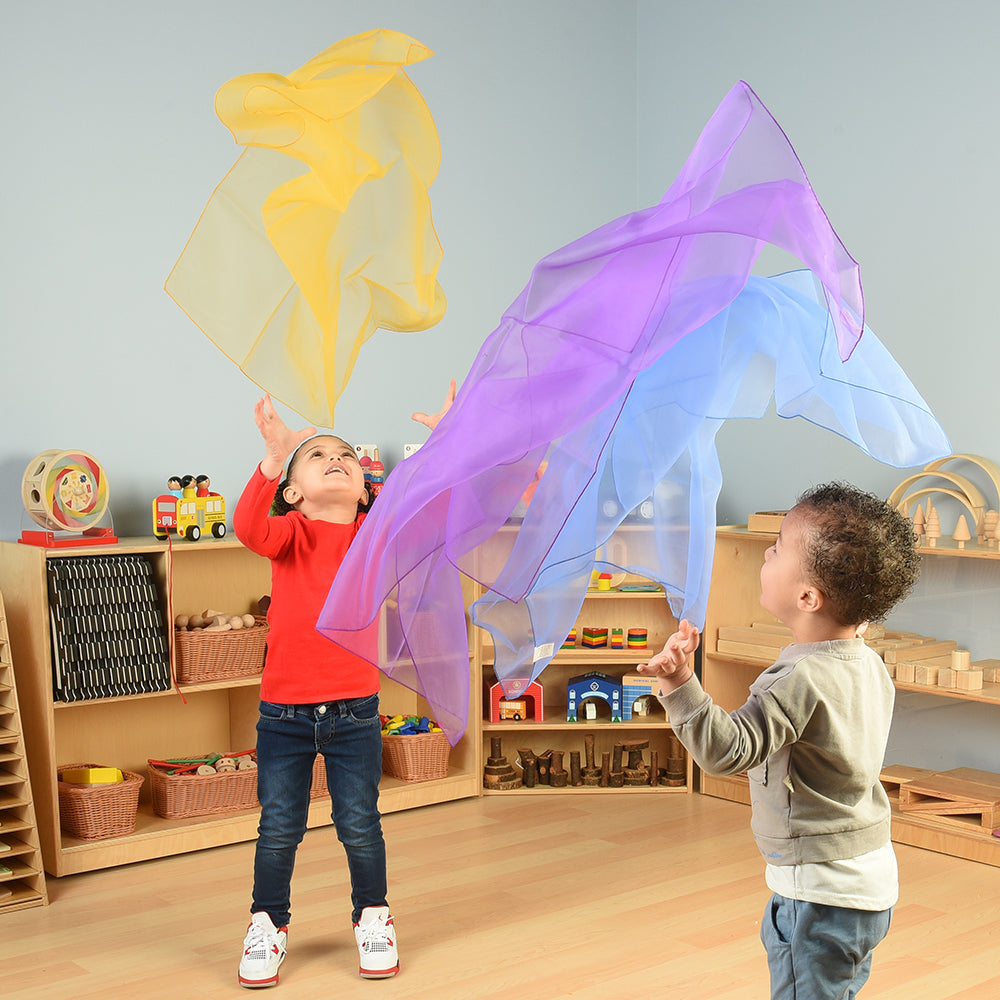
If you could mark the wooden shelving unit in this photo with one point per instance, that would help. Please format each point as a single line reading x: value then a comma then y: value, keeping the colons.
x: 24, y: 884
x: 734, y: 600
x: 610, y: 609
x: 203, y: 717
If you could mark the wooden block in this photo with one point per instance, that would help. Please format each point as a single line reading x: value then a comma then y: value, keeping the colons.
x: 961, y: 792
x: 754, y: 636
x: 923, y: 651
x: 745, y: 649
x: 890, y: 669
x: 947, y: 678
x: 990, y: 669
x: 894, y: 775
x: 906, y: 672
x: 969, y: 680
x: 926, y: 673
x: 961, y: 659
x: 768, y: 521
x: 776, y: 627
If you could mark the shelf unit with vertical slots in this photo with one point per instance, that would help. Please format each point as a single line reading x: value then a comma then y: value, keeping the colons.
x: 734, y: 600
x: 195, y: 718
x: 22, y: 881
x: 601, y: 609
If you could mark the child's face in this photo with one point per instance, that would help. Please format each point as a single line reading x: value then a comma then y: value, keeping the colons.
x: 782, y: 579
x: 327, y: 468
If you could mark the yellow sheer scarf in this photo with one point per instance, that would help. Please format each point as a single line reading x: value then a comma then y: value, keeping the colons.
x: 321, y: 231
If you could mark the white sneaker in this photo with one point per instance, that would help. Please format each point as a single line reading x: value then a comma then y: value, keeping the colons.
x: 376, y: 937
x: 263, y: 951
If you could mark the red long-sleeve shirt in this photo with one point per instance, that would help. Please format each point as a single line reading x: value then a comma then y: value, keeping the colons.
x: 302, y: 666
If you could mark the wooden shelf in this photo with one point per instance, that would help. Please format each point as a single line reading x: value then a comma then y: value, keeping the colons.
x: 126, y: 731
x: 601, y: 609
x: 18, y: 829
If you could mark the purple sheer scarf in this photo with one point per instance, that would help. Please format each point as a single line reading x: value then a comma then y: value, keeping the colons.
x: 615, y: 367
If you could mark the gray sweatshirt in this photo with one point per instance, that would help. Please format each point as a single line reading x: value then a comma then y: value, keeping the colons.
x: 812, y: 739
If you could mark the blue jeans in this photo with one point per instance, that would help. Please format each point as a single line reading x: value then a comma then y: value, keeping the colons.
x: 818, y: 952
x: 349, y: 736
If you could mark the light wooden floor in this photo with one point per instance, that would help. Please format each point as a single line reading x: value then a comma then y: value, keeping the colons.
x: 597, y: 897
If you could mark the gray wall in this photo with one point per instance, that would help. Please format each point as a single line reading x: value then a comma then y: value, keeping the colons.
x: 113, y: 148
x: 554, y: 117
x: 892, y: 109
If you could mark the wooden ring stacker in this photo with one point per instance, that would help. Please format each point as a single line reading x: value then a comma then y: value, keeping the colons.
x: 65, y: 490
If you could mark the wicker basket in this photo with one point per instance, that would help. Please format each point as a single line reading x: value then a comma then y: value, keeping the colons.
x: 95, y: 812
x: 319, y: 788
x: 218, y: 656
x: 419, y: 757
x: 178, y: 795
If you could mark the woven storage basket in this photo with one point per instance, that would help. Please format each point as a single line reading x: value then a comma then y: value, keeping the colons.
x: 419, y: 757
x: 217, y: 656
x: 319, y: 788
x: 178, y: 795
x: 95, y: 812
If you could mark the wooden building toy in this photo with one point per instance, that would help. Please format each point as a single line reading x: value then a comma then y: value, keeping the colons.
x: 593, y: 685
x: 634, y: 687
x: 617, y: 638
x: 570, y: 641
x: 524, y: 699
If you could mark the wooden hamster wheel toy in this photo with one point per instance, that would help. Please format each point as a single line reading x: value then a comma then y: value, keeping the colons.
x: 65, y: 491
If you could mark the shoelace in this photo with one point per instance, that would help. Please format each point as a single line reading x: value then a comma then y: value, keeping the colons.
x: 259, y: 943
x: 376, y: 936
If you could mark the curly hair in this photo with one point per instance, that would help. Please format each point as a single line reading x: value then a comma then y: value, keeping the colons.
x: 859, y: 551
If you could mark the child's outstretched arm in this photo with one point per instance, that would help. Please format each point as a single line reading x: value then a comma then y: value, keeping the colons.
x: 672, y: 665
x: 433, y: 419
x: 279, y: 440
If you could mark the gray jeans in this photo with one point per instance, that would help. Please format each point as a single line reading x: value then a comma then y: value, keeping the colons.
x: 817, y: 952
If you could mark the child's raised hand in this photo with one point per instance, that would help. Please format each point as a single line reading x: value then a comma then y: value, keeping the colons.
x: 433, y: 419
x: 671, y: 664
x: 279, y: 440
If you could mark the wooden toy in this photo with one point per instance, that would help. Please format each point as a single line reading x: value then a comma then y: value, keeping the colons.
x: 589, y: 772
x: 603, y: 581
x: 969, y: 680
x: 575, y: 771
x: 558, y: 775
x: 953, y: 796
x: 594, y: 638
x: 190, y: 514
x: 675, y: 774
x: 768, y: 521
x: 636, y: 771
x: 637, y: 638
x: 498, y: 772
x: 617, y: 638
x: 935, y: 480
x: 526, y: 700
x: 634, y: 687
x: 570, y: 641
x: 92, y: 775
x: 584, y: 687
x: 529, y: 767
x: 66, y: 491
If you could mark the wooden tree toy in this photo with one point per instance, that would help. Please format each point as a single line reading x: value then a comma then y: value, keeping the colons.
x: 918, y: 521
x: 932, y: 529
x: 962, y: 533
